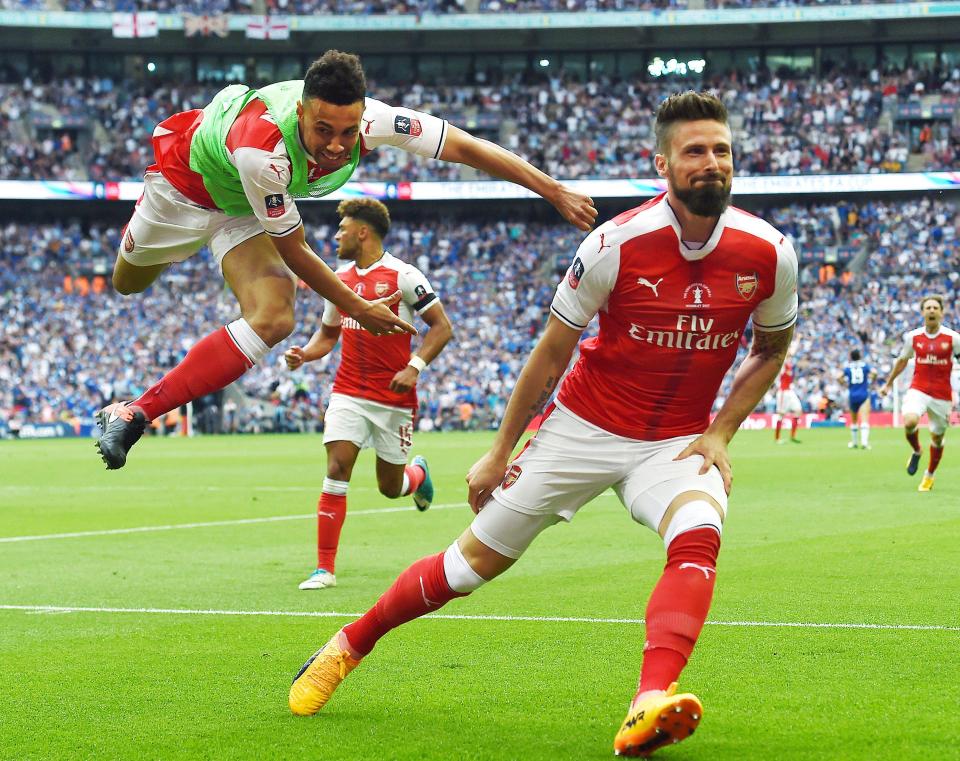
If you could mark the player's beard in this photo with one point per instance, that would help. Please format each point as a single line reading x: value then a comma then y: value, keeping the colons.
x: 706, y: 200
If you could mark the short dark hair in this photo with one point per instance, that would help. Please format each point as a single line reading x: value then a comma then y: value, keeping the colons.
x: 336, y: 78
x: 686, y: 106
x: 855, y: 355
x: 935, y: 297
x: 369, y: 211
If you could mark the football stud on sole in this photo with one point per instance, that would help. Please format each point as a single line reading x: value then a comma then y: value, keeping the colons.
x: 121, y: 427
x: 657, y: 720
x: 913, y: 464
x: 423, y: 496
x: 926, y: 484
x: 319, y: 579
x: 319, y: 677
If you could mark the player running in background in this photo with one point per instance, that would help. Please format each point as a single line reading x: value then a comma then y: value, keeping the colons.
x: 933, y: 346
x: 788, y: 404
x: 374, y: 400
x: 227, y: 176
x: 673, y: 281
x: 858, y: 375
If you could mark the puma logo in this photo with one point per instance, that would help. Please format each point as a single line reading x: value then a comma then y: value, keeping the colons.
x: 369, y: 123
x: 426, y: 600
x: 706, y: 571
x: 279, y: 173
x: 602, y: 244
x: 324, y: 514
x: 651, y: 286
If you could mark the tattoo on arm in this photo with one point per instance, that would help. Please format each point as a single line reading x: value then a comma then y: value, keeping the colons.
x: 541, y: 400
x: 771, y: 347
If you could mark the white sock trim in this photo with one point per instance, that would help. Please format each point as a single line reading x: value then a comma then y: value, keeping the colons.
x: 405, y: 489
x: 338, y: 488
x: 247, y: 340
x: 697, y: 513
x: 460, y: 576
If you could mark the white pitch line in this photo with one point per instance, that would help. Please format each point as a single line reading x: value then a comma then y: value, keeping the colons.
x: 543, y: 619
x: 207, y: 524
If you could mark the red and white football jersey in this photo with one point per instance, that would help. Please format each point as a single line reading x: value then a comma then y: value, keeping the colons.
x: 934, y: 360
x: 671, y: 317
x: 368, y: 362
x: 256, y: 148
x: 786, y: 376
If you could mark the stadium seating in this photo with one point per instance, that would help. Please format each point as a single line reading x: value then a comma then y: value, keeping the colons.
x: 68, y: 343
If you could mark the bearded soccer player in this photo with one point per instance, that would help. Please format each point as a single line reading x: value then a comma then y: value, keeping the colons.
x: 228, y: 175
x: 934, y: 347
x: 788, y: 404
x: 673, y: 281
x: 374, y: 398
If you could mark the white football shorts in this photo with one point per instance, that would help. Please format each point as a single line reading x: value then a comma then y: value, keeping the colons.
x: 788, y: 403
x: 915, y: 402
x: 369, y: 425
x: 167, y: 227
x: 571, y: 462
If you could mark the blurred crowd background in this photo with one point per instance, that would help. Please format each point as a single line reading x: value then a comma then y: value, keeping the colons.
x: 69, y: 344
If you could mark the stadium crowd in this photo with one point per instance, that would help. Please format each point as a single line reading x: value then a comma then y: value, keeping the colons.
x: 68, y: 344
x: 379, y: 7
x: 75, y: 128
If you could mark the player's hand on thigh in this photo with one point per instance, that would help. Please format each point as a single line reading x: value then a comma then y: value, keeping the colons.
x: 485, y: 476
x: 713, y: 448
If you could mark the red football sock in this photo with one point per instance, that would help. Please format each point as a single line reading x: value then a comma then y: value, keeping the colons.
x: 914, y: 439
x: 213, y: 362
x: 331, y: 512
x: 794, y: 422
x: 935, y: 454
x: 776, y: 435
x: 678, y: 607
x: 415, y: 475
x: 420, y: 589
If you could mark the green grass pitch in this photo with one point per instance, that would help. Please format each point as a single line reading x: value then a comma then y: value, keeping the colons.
x: 159, y: 668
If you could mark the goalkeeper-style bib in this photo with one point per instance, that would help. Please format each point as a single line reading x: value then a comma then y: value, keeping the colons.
x: 208, y: 151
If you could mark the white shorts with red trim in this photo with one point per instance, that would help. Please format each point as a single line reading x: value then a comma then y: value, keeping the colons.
x: 915, y: 402
x: 571, y: 462
x: 788, y: 403
x: 167, y: 227
x: 369, y: 425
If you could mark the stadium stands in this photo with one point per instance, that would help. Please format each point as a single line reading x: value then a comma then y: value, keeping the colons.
x: 76, y: 128
x: 68, y: 344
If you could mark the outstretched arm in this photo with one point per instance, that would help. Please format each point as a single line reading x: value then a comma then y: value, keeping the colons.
x: 463, y: 148
x: 539, y: 378
x: 374, y: 316
x: 754, y: 376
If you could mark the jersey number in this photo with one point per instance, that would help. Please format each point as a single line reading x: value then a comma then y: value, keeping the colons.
x: 856, y: 375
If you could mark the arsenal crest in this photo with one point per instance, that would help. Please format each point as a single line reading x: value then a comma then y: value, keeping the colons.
x: 747, y: 283
x: 128, y: 242
x: 382, y: 289
x: 511, y: 478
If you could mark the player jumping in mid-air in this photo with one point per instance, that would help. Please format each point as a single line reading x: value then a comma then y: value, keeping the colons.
x: 374, y: 398
x: 227, y: 176
x: 934, y: 347
x: 857, y: 376
x: 633, y: 414
x: 788, y: 404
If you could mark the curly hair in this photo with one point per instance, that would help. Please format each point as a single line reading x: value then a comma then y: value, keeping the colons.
x: 336, y: 78
x: 369, y: 211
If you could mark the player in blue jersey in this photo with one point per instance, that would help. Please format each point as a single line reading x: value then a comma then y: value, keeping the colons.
x: 857, y: 375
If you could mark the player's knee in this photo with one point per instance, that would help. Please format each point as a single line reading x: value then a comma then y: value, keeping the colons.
x: 461, y: 577
x: 272, y: 327
x: 697, y: 513
x: 339, y: 471
x: 391, y: 490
